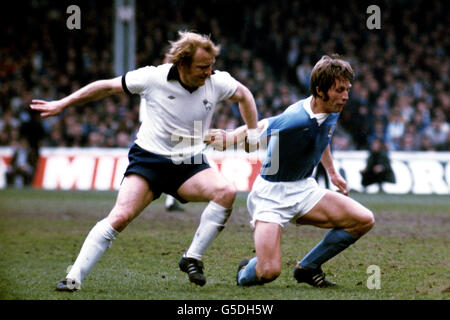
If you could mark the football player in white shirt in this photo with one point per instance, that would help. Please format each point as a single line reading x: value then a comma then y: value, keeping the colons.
x: 180, y: 97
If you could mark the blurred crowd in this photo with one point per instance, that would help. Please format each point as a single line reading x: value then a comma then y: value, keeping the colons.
x: 400, y: 94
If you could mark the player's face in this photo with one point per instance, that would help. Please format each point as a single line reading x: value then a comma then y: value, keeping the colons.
x: 200, y: 69
x: 338, y: 96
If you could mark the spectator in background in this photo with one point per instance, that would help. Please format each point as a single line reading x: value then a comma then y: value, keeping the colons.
x: 20, y: 170
x: 33, y: 131
x: 405, y: 108
x: 447, y: 144
x: 395, y: 130
x: 438, y: 132
x: 427, y: 144
x: 378, y: 132
x: 378, y: 166
x: 342, y: 140
x: 39, y: 59
x: 418, y: 123
x: 411, y: 140
x: 361, y: 120
x: 303, y: 74
x: 8, y: 123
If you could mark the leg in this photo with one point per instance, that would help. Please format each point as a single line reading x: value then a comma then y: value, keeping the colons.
x: 207, y: 185
x: 133, y: 197
x: 335, y: 210
x: 266, y: 266
x: 10, y: 175
x: 268, y: 250
x: 349, y: 220
x: 171, y: 204
x: 169, y: 201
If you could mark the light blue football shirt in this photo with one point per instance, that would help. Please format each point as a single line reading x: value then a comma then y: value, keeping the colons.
x: 296, y: 144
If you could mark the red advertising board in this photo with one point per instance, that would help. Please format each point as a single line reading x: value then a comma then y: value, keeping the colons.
x: 102, y: 169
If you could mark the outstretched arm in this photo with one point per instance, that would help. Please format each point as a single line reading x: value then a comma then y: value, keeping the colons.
x: 91, y: 92
x: 336, y: 178
x: 221, y: 140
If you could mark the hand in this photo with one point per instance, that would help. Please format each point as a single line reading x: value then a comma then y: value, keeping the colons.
x: 340, y: 183
x: 47, y: 108
x: 378, y: 168
x: 217, y: 138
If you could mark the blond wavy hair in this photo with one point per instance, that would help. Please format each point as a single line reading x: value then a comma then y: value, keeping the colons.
x: 183, y: 49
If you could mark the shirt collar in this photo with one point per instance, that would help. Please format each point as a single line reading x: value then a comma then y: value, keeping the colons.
x: 320, y: 117
x: 173, y: 74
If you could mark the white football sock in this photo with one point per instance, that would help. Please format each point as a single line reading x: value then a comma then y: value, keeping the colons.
x: 212, y: 223
x: 169, y: 201
x: 98, y: 240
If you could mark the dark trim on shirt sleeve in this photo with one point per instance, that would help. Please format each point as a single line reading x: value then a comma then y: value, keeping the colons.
x: 124, y: 86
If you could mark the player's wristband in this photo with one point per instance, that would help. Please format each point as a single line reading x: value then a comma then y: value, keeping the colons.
x: 252, y: 136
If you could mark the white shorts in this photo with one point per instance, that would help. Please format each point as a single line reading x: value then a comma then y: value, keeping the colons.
x: 282, y: 202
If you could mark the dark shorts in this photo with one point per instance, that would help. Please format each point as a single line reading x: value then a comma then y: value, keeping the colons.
x: 161, y: 173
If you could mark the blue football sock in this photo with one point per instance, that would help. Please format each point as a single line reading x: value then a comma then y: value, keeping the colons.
x: 333, y: 243
x: 247, y: 276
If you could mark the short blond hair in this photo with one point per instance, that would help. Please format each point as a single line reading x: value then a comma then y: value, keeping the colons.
x: 183, y: 49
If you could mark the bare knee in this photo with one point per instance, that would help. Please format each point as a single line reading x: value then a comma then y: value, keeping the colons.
x: 366, y: 221
x: 134, y: 195
x: 369, y: 220
x: 120, y: 217
x: 225, y: 195
x: 269, y: 271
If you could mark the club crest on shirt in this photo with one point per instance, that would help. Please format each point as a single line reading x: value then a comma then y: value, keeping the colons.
x: 330, y: 131
x: 207, y: 104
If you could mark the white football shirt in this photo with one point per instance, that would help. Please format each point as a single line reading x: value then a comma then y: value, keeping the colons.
x: 174, y: 120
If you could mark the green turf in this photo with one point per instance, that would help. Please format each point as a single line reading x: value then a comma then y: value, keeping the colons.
x: 41, y: 233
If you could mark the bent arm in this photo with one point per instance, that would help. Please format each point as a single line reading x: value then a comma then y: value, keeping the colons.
x: 91, y: 92
x: 335, y: 177
x: 247, y: 105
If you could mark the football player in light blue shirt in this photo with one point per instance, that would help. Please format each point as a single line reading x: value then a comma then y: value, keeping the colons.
x: 298, y: 139
x: 285, y: 191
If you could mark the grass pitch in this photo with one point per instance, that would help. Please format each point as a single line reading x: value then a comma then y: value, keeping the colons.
x: 41, y: 233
